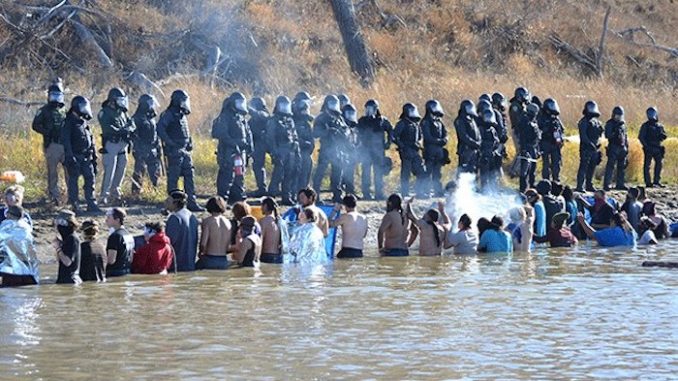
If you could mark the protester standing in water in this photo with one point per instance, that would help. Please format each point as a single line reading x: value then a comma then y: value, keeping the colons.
x: 92, y: 254
x: 67, y: 245
x: 182, y: 230
x: 396, y: 233
x: 120, y: 246
x: 214, y: 241
x: 465, y: 240
x: 431, y: 232
x: 249, y: 244
x: 353, y: 228
x: 156, y: 256
x: 271, y: 251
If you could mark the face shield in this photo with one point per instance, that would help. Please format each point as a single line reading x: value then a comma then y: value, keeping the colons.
x: 333, y: 105
x: 351, y: 116
x: 85, y: 110
x: 437, y: 109
x: 240, y: 106
x: 283, y: 107
x: 122, y: 103
x: 470, y: 110
x: 185, y: 105
x: 370, y: 111
x: 55, y: 97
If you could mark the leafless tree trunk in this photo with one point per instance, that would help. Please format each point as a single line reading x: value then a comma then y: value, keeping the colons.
x: 354, y: 43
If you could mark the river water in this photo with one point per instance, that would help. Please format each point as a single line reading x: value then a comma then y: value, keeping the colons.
x: 577, y: 314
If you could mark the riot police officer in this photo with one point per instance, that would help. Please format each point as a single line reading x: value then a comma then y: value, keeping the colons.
x: 48, y: 122
x: 435, y: 139
x: 617, y: 148
x: 590, y: 131
x: 146, y: 147
x: 350, y: 115
x: 530, y: 135
x: 499, y: 107
x: 408, y: 138
x: 468, y: 137
x: 651, y: 136
x: 552, y: 139
x: 177, y: 143
x: 231, y: 130
x: 490, y: 151
x: 517, y: 109
x: 258, y: 119
x: 285, y: 150
x: 375, y: 133
x: 343, y: 100
x: 332, y: 131
x: 80, y: 153
x: 116, y: 132
x: 303, y: 122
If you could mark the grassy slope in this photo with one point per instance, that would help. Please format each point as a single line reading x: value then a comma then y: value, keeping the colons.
x: 446, y: 49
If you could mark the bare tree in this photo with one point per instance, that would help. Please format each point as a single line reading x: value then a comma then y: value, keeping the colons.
x: 354, y: 42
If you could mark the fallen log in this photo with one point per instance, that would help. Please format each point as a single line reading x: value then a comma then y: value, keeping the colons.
x: 672, y: 265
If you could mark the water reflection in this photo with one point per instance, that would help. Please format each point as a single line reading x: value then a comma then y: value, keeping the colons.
x: 559, y: 314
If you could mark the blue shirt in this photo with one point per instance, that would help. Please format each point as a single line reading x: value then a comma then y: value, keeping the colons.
x: 571, y: 208
x: 495, y: 241
x: 615, y: 236
x: 539, y: 219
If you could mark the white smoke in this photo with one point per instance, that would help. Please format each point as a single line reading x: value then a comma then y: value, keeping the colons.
x: 468, y: 199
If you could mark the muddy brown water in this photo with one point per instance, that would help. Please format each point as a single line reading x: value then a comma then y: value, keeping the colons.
x: 586, y: 313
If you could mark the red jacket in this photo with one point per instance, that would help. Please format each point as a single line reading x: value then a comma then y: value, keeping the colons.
x: 154, y: 257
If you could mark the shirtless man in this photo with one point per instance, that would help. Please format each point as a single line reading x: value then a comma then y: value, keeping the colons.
x: 215, y: 239
x: 270, y: 232
x: 396, y: 233
x: 353, y: 228
x: 307, y: 197
x: 431, y: 233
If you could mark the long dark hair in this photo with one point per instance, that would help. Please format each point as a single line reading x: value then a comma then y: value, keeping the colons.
x: 395, y: 202
x: 271, y: 205
x: 433, y: 216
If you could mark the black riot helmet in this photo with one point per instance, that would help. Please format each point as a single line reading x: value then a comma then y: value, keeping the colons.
x: 485, y: 97
x: 301, y: 107
x: 551, y: 106
x: 499, y: 101
x: 350, y: 113
x: 148, y: 105
x: 410, y: 112
x: 343, y: 100
x: 283, y: 106
x: 118, y: 99
x: 482, y: 106
x: 591, y: 109
x: 652, y: 114
x: 181, y: 101
x: 302, y: 96
x: 258, y: 104
x: 488, y: 117
x: 372, y: 108
x: 532, y: 110
x: 535, y: 99
x: 434, y: 108
x: 332, y: 104
x: 468, y: 108
x: 81, y: 107
x: 618, y: 113
x: 55, y: 94
x: 238, y: 103
x: 522, y: 95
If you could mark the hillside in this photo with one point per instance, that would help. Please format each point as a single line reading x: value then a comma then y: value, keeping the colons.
x: 448, y: 49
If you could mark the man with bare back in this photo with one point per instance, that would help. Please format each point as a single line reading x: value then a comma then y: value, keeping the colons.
x: 396, y: 233
x: 353, y: 228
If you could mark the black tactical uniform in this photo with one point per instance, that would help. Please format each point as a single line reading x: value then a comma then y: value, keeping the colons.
x: 48, y: 122
x: 617, y: 148
x: 651, y: 136
x: 284, y: 149
x: 303, y: 122
x: 408, y: 138
x: 435, y: 139
x: 530, y: 135
x: 517, y: 109
x: 552, y: 139
x: 177, y: 146
x: 590, y: 131
x: 333, y: 133
x: 80, y: 152
x: 257, y: 123
x: 145, y: 143
x: 490, y: 151
x: 350, y: 116
x: 230, y: 128
x: 375, y: 134
x: 468, y: 138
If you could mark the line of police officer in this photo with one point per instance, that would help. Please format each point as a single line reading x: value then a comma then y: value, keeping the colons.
x: 287, y: 135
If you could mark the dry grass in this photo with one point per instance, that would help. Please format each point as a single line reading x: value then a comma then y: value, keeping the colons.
x: 449, y: 50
